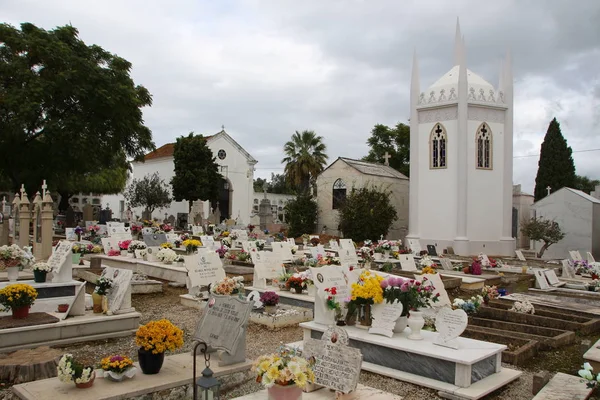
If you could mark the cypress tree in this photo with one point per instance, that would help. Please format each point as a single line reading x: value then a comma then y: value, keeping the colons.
x: 556, y: 167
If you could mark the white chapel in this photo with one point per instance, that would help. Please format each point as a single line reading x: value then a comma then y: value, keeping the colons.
x: 461, y: 160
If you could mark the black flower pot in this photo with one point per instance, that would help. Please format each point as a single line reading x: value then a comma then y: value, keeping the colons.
x: 150, y: 363
x: 39, y: 276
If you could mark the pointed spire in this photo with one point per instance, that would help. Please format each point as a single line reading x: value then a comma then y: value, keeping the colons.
x: 415, y: 89
x: 501, y: 77
x: 508, y: 76
x: 458, y: 44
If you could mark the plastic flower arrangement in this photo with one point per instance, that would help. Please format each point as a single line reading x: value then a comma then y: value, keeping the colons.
x: 296, y: 282
x: 124, y: 244
x: 523, y: 307
x: 78, y: 230
x: 243, y: 256
x: 294, y: 249
x: 137, y: 245
x: 41, y: 266
x: 113, y: 253
x: 166, y: 228
x: 428, y: 270
x: 97, y: 249
x: 221, y: 251
x: 159, y: 336
x: 283, y: 368
x: 331, y: 302
x: 191, y: 244
x: 250, y: 227
x: 93, y: 229
x: 413, y: 294
x: 225, y: 234
x: 307, y: 277
x: 118, y: 364
x: 103, y: 285
x: 136, y: 228
x: 489, y: 292
x: 426, y: 261
x: 166, y: 245
x: 470, y: 306
x: 475, y: 267
x: 582, y: 267
x: 14, y: 256
x: 305, y: 237
x: 587, y: 373
x: 228, y: 286
x: 368, y: 289
x: 69, y: 370
x: 279, y: 237
x: 17, y: 295
x: 269, y: 298
x: 166, y: 255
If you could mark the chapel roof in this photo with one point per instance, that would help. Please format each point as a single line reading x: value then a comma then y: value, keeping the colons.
x: 584, y: 195
x: 450, y: 80
x: 369, y: 168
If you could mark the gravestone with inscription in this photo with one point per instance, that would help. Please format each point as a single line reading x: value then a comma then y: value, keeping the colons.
x: 431, y: 250
x: 414, y: 246
x: 385, y: 316
x: 223, y: 327
x: 337, y: 366
x: 540, y: 279
x: 407, y: 262
x: 446, y: 264
x: 348, y: 258
x: 328, y: 277
x: 317, y: 251
x: 249, y: 245
x: 119, y: 295
x: 520, y: 255
x: 450, y: 324
x: 110, y: 244
x: 61, y: 262
x: 567, y: 270
x: 204, y: 268
x: 347, y: 244
x: 151, y: 252
x: 284, y: 250
x: 155, y: 239
x: 552, y: 278
x: 208, y: 241
x: 267, y: 266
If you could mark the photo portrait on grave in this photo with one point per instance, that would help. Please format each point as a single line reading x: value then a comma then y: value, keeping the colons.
x: 334, y: 337
x: 116, y: 273
x: 320, y: 277
x: 211, y: 302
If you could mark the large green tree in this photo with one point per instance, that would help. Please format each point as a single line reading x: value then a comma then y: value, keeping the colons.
x: 304, y: 159
x: 556, y: 168
x: 197, y: 174
x: 585, y: 184
x: 150, y: 192
x: 395, y: 141
x: 65, y: 107
x: 301, y: 215
x: 367, y: 213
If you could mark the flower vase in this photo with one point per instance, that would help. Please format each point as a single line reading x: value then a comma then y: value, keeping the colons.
x: 298, y: 290
x: 39, y: 276
x: 377, y: 256
x: 289, y: 392
x: 20, y: 312
x: 401, y: 324
x: 87, y: 384
x: 13, y: 273
x: 270, y: 309
x: 312, y: 290
x: 150, y: 363
x: 386, y: 254
x: 415, y: 323
x: 104, y: 304
x: 97, y: 301
x: 124, y: 253
x: 75, y: 258
x: 364, y: 316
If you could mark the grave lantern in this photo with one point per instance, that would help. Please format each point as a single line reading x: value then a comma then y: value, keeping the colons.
x: 209, y: 385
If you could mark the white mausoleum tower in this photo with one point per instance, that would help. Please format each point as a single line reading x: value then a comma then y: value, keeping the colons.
x: 461, y: 160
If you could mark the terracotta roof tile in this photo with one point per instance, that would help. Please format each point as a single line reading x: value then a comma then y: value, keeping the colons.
x: 166, y: 150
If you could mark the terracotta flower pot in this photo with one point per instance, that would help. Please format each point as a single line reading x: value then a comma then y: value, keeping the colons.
x: 62, y: 308
x: 87, y: 384
x: 20, y: 312
x: 289, y: 392
x: 466, y: 270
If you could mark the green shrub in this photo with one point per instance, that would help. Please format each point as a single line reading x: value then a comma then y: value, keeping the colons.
x: 367, y: 213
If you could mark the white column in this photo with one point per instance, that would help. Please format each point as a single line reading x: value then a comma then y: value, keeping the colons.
x: 413, y: 193
x: 508, y: 242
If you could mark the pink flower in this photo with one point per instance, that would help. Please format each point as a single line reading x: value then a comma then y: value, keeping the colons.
x: 384, y: 283
x: 405, y: 287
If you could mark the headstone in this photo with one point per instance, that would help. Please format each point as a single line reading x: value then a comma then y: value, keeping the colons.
x: 520, y: 255
x: 575, y: 256
x: 70, y: 234
x: 119, y: 295
x: 450, y: 324
x: 88, y: 212
x: 446, y: 264
x: 347, y: 244
x: 414, y: 245
x: 197, y: 230
x: 204, y: 268
x: 551, y: 277
x: 431, y: 250
x: 291, y: 241
x: 249, y: 245
x: 284, y: 250
x: 114, y: 224
x: 334, y: 245
x: 385, y: 316
x: 436, y: 281
x: 590, y: 257
x: 450, y: 250
x: 337, y: 366
x: 540, y: 279
x: 172, y: 237
x: 155, y: 239
x: 327, y: 277
x: 109, y: 244
x: 208, y: 241
x: 317, y: 251
x: 348, y: 258
x: 265, y: 213
x: 70, y: 218
x: 266, y: 266
x: 147, y: 231
x: 407, y: 262
x: 61, y: 262
x: 151, y: 252
x: 223, y: 326
x: 102, y: 231
x: 485, y: 259
x: 567, y: 270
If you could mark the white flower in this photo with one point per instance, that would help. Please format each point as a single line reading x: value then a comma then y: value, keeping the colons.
x: 166, y: 255
x: 585, y: 374
x: 426, y: 261
x: 41, y: 266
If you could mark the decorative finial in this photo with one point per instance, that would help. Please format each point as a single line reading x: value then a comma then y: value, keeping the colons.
x: 548, y: 188
x: 387, y: 157
x: 223, y: 127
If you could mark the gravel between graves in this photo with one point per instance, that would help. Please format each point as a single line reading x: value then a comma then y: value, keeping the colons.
x: 259, y: 341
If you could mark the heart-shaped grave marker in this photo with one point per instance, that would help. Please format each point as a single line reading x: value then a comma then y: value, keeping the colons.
x: 254, y: 298
x: 385, y: 317
x: 450, y: 324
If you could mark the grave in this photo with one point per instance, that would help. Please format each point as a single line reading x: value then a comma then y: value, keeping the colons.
x: 204, y: 268
x: 285, y: 315
x: 286, y: 297
x: 171, y: 273
x: 140, y: 284
x: 361, y: 393
x: 564, y: 387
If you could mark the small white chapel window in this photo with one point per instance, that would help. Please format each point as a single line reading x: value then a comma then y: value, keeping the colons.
x: 438, y: 146
x: 339, y: 193
x: 483, y: 141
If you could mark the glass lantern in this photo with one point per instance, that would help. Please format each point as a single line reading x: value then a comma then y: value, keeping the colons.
x: 208, y: 385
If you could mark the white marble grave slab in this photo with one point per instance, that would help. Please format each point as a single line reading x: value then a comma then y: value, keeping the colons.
x: 446, y: 264
x: 567, y: 270
x: 118, y: 293
x: 347, y: 244
x: 590, y: 257
x: 520, y: 255
x: 415, y: 246
x: 540, y: 279
x: 552, y: 278
x: 284, y: 250
x: 407, y: 262
x: 385, y: 316
x: 204, y: 268
x: 61, y: 262
x: 575, y: 255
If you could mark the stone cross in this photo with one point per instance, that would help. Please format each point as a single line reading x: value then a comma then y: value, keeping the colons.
x: 548, y: 189
x: 44, y: 187
x: 22, y: 190
x: 387, y: 157
x: 3, y: 203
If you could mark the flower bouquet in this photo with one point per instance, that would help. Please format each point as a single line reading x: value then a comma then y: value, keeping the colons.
x: 14, y: 256
x: 283, y: 369
x: 166, y: 228
x: 228, y: 286
x: 103, y: 285
x: 475, y: 267
x: 413, y: 294
x: 426, y: 261
x: 124, y: 245
x: 166, y: 255
x: 117, y: 368
x: 18, y: 297
x: 113, y: 253
x: 489, y: 293
x: 364, y: 293
x: 523, y: 307
x: 166, y: 245
x: 154, y: 339
x: 470, y: 306
x: 191, y: 245
x: 587, y: 373
x: 428, y: 270
x: 270, y: 300
x: 332, y: 303
x: 69, y: 370
x: 40, y: 270
x: 296, y: 282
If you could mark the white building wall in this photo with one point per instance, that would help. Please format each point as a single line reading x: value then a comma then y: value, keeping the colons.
x: 574, y: 214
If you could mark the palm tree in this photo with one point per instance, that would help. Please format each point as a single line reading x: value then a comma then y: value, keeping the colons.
x: 305, y: 158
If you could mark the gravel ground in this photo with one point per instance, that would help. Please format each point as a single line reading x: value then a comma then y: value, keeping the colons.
x: 259, y: 341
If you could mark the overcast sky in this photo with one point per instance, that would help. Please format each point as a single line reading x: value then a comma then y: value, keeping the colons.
x: 267, y: 68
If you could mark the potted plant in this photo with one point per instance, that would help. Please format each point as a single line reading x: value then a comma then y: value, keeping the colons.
x: 364, y: 293
x: 270, y: 301
x: 69, y: 370
x: 136, y: 245
x: 284, y: 373
x: 305, y: 239
x: 297, y: 283
x: 167, y: 256
x: 13, y: 259
x: 177, y: 243
x: 315, y: 241
x: 117, y: 368
x: 40, y: 270
x: 191, y: 245
x: 154, y: 339
x: 18, y: 298
x: 63, y: 308
x: 103, y: 285
x: 489, y: 293
x: 124, y: 247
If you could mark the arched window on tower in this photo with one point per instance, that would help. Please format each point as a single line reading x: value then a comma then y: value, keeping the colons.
x: 339, y: 193
x: 438, y: 142
x: 483, y: 143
